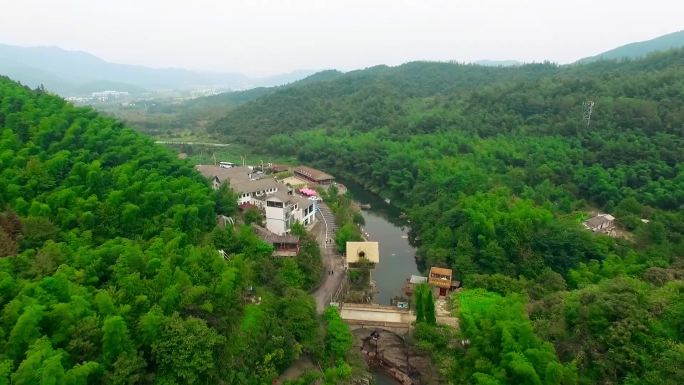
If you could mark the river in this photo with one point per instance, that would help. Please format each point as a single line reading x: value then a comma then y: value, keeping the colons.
x: 397, y: 256
x: 382, y: 378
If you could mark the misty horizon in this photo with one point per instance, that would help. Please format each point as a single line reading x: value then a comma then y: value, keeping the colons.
x: 304, y: 69
x: 265, y: 38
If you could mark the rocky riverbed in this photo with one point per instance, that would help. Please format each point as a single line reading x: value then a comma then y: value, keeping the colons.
x: 389, y: 352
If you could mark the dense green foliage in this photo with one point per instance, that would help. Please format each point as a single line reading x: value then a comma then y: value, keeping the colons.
x: 424, y: 304
x: 187, y: 120
x: 501, y: 347
x: 169, y: 118
x: 621, y: 328
x: 359, y: 100
x: 110, y: 272
x: 496, y: 168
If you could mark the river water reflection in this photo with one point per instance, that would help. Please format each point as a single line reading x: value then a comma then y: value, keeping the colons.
x: 382, y: 378
x: 397, y: 256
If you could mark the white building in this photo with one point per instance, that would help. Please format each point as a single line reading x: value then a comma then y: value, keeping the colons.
x: 282, y: 206
x: 246, y: 183
x: 284, y: 209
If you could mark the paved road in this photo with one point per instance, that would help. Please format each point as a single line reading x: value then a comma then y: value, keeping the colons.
x: 331, y: 261
x: 328, y: 220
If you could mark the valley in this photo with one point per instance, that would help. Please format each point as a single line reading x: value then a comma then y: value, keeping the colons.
x: 497, y: 180
x: 490, y: 222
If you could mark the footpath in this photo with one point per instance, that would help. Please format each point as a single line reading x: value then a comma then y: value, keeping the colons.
x: 324, y: 230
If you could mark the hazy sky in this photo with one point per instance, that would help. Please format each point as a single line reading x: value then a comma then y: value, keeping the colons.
x: 261, y: 37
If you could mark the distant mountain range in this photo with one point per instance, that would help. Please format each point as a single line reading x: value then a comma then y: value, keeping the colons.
x: 628, y: 51
x: 641, y: 49
x: 76, y: 73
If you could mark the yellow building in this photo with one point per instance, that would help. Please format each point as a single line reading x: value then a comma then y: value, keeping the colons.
x: 440, y: 278
x: 356, y: 251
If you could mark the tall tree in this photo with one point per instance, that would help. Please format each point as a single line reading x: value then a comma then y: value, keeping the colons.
x: 338, y: 338
x: 185, y: 349
x: 429, y: 304
x: 115, y: 339
x: 419, y: 295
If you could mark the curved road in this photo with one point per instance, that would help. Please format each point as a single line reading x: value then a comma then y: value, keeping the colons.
x: 324, y: 231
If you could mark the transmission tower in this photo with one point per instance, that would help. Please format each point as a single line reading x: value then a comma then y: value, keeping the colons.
x: 588, y: 108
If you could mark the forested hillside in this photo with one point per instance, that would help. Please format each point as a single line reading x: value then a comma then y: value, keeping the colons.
x: 165, y: 119
x: 188, y: 119
x: 642, y: 48
x: 109, y: 270
x: 361, y: 100
x: 496, y: 168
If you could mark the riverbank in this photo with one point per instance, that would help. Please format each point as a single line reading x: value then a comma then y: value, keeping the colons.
x: 394, y: 356
x: 396, y: 361
x: 384, y: 223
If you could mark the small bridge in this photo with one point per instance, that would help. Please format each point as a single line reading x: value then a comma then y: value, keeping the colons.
x: 389, y: 318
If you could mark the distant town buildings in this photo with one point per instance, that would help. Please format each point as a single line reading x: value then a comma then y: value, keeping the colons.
x: 144, y: 98
x: 99, y: 97
x: 105, y: 96
x: 200, y: 92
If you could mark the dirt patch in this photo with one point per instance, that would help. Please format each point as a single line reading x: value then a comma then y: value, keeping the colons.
x: 444, y: 313
x: 297, y: 369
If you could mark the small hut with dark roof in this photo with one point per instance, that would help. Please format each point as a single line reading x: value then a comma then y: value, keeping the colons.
x: 286, y: 245
x: 313, y: 175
